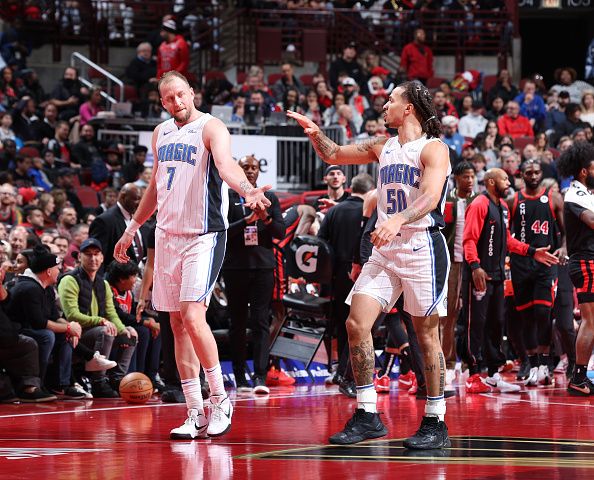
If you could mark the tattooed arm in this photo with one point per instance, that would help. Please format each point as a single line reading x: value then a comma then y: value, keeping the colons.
x: 218, y: 141
x: 366, y: 152
x: 435, y: 159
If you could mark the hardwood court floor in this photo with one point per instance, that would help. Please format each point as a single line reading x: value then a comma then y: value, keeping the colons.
x: 541, y: 433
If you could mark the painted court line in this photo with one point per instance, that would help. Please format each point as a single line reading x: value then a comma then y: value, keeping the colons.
x: 160, y: 405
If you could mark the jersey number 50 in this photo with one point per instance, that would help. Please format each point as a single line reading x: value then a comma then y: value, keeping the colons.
x: 396, y: 201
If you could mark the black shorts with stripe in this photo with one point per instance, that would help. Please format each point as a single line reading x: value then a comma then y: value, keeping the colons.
x: 534, y: 283
x: 581, y: 272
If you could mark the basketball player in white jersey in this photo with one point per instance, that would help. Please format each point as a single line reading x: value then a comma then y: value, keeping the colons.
x: 409, y: 257
x: 192, y: 153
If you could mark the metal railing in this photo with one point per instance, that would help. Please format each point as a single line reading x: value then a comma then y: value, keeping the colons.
x: 109, y: 78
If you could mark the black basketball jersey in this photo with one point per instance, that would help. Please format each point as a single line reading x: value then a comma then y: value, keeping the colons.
x: 533, y: 219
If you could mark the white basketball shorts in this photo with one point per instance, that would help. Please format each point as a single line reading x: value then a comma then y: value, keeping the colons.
x: 416, y: 264
x: 186, y: 268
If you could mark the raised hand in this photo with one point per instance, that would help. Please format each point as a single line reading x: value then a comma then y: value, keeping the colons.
x: 255, y: 198
x: 308, y: 126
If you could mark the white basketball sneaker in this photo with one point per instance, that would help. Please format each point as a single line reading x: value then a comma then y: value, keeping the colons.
x: 195, y: 426
x: 220, y: 417
x: 532, y: 380
x: 543, y: 376
x: 497, y: 384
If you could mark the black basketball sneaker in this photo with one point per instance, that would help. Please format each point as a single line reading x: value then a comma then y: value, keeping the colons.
x: 432, y: 434
x: 362, y: 426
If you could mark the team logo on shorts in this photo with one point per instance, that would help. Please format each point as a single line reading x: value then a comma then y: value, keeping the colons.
x: 306, y: 258
x: 544, y: 199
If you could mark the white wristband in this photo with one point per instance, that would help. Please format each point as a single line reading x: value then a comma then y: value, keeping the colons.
x: 132, y: 228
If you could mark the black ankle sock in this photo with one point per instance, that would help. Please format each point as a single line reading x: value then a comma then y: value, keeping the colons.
x: 543, y: 359
x: 580, y: 372
x: 533, y: 360
x: 492, y: 371
x: 385, y: 370
x: 404, y: 360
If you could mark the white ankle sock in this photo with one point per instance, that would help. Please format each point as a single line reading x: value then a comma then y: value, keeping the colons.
x: 435, y: 407
x: 214, y: 376
x: 367, y: 398
x: 193, y: 394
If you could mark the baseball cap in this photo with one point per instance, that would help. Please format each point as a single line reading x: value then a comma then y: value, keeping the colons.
x: 169, y: 26
x: 449, y: 121
x: 27, y: 194
x: 380, y: 71
x: 349, y: 81
x: 351, y: 45
x: 332, y: 168
x: 91, y: 242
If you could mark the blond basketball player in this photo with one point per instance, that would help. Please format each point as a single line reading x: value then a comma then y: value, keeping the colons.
x: 192, y: 168
x: 410, y: 255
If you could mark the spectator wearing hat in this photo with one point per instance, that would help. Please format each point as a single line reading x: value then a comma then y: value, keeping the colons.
x: 532, y: 105
x: 132, y: 170
x: 566, y: 79
x: 386, y: 77
x: 87, y: 299
x: 473, y: 123
x: 514, y: 124
x: 556, y: 114
x: 19, y: 357
x: 64, y: 179
x: 417, y: 58
x: 335, y: 180
x: 174, y: 53
x: 108, y: 227
x: 352, y: 96
x: 20, y: 173
x: 33, y: 305
x: 450, y: 135
x: 347, y: 63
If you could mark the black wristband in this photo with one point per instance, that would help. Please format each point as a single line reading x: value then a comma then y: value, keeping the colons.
x: 475, y: 266
x: 531, y: 251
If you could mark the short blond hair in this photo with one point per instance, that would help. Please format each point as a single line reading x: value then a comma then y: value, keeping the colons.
x: 169, y: 76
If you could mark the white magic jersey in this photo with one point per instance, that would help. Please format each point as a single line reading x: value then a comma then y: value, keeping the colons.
x: 191, y: 196
x: 400, y: 171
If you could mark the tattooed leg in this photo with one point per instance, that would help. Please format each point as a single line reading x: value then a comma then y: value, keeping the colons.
x: 363, y: 361
x: 427, y: 329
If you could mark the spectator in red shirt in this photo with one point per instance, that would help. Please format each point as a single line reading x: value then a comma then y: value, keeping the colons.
x: 514, y: 124
x: 417, y: 58
x: 442, y: 106
x: 174, y: 53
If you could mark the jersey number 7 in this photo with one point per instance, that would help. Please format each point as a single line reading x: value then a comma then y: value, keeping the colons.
x: 171, y: 173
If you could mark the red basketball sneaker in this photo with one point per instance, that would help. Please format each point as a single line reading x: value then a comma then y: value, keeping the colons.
x: 382, y: 384
x: 278, y: 378
x: 405, y: 381
x: 474, y: 384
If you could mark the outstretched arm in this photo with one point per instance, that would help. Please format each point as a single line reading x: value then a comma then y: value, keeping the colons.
x: 366, y: 152
x: 218, y: 140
